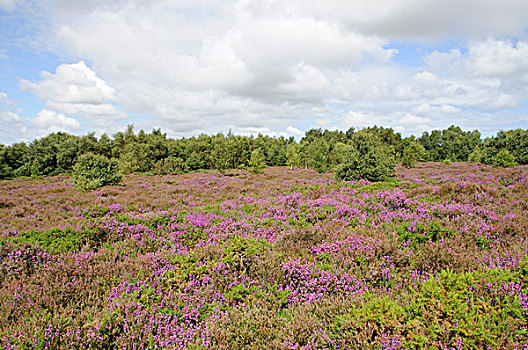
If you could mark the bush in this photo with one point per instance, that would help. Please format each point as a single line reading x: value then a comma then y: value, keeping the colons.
x: 413, y: 153
x: 257, y: 161
x: 170, y: 165
x: 504, y: 159
x: 367, y: 158
x: 476, y: 156
x: 92, y: 171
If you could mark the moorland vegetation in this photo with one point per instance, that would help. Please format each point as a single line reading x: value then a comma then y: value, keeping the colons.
x: 432, y: 258
x: 344, y: 240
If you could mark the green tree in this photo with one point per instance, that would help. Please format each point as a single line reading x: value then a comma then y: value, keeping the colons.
x: 170, y: 165
x: 257, y: 161
x: 5, y: 170
x: 414, y: 152
x: 504, y: 159
x: 366, y: 158
x: 18, y: 159
x: 515, y: 141
x: 93, y: 171
x: 292, y: 156
x: 476, y: 156
x: 135, y: 158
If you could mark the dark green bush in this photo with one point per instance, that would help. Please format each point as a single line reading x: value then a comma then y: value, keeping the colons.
x: 93, y: 171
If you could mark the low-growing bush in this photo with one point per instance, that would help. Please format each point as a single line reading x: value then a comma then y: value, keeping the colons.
x: 93, y: 171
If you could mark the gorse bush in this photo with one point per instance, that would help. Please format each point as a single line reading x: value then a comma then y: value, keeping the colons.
x: 93, y: 171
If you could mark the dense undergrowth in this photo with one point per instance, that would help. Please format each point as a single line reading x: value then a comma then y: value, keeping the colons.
x: 290, y: 259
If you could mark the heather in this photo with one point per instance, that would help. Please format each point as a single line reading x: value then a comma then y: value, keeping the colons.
x: 434, y: 257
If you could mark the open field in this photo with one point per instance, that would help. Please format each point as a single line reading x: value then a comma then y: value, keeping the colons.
x: 289, y: 259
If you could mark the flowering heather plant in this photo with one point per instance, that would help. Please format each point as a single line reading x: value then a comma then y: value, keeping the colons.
x: 435, y: 258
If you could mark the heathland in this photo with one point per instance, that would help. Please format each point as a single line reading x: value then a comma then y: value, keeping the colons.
x: 433, y: 258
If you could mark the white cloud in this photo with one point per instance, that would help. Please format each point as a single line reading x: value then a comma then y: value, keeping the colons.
x: 424, y: 108
x: 4, y: 99
x: 294, y: 131
x: 196, y: 66
x: 498, y: 58
x: 409, y: 118
x: 49, y: 121
x: 74, y: 89
x: 425, y: 77
x: 12, y: 125
x: 360, y: 119
x: 429, y: 19
x: 71, y: 83
x: 9, y: 117
x: 448, y: 109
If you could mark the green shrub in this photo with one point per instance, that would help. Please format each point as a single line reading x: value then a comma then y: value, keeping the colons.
x: 367, y: 158
x: 476, y: 156
x: 504, y: 159
x: 93, y: 171
x: 170, y: 165
x: 413, y: 153
x: 257, y: 161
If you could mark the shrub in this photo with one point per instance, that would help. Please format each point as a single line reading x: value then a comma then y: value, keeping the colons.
x: 257, y: 161
x: 504, y: 159
x: 413, y: 153
x: 476, y: 156
x: 367, y: 158
x: 170, y: 165
x: 93, y: 171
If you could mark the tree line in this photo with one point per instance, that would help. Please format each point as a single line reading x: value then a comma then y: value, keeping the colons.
x: 365, y: 153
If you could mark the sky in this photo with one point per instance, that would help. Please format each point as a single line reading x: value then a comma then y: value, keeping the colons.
x: 275, y: 67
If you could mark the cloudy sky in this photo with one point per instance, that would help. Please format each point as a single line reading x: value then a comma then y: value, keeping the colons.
x: 277, y: 67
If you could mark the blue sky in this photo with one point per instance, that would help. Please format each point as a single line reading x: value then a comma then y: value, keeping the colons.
x: 261, y: 66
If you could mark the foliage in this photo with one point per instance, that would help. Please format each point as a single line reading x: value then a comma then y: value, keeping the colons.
x: 292, y: 156
x: 93, y: 171
x: 514, y: 141
x: 321, y: 150
x: 476, y: 156
x: 170, y: 165
x: 366, y: 158
x: 414, y: 152
x: 257, y: 161
x: 452, y: 143
x: 504, y: 159
x: 5, y: 169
